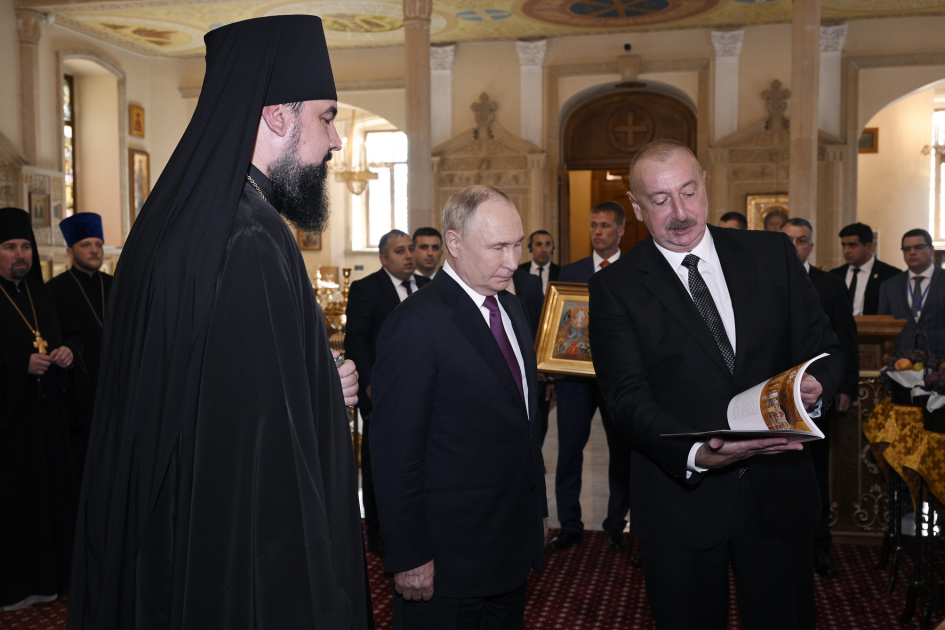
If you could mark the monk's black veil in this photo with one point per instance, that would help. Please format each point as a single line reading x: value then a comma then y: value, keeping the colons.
x: 160, y: 308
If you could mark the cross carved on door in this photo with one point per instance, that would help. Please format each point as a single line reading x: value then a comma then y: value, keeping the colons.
x: 630, y: 129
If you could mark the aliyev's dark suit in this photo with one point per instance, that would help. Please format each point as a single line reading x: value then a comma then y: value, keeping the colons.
x: 662, y: 372
x: 835, y: 300
x: 370, y: 300
x: 578, y: 399
x: 894, y: 301
x: 457, y: 461
x: 881, y: 273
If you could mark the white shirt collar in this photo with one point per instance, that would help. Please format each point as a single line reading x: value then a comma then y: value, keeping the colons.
x: 477, y: 298
x: 925, y: 274
x: 807, y: 267
x: 705, y: 250
x: 867, y: 266
x: 400, y: 283
x: 598, y: 259
x: 534, y: 268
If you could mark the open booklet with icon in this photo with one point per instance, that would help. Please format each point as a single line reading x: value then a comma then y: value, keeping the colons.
x: 772, y: 408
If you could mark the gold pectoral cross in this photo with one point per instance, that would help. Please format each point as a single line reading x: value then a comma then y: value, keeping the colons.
x: 40, y: 343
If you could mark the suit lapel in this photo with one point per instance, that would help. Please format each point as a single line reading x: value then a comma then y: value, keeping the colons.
x: 932, y: 289
x: 468, y: 318
x: 664, y: 284
x: 388, y: 291
x: 740, y: 276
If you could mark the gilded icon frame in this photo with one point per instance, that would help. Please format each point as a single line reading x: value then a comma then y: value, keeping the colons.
x: 563, y: 350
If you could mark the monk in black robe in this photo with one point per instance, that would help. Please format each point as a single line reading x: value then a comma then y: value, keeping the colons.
x: 82, y: 291
x: 220, y: 489
x: 37, y: 479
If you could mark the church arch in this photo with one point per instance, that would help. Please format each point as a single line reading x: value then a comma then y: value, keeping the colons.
x: 602, y: 128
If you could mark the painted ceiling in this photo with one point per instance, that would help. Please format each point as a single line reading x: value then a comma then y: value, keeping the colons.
x: 175, y: 28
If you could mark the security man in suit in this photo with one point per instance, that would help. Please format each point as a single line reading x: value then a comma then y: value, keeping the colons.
x: 863, y: 273
x: 370, y: 300
x: 541, y: 246
x: 687, y: 319
x: 427, y: 251
x: 578, y: 400
x: 457, y: 461
x: 917, y: 295
x: 836, y: 304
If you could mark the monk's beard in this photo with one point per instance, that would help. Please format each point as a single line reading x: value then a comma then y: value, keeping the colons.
x: 299, y: 190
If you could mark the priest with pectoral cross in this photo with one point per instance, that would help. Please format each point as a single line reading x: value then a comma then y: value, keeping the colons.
x: 38, y: 345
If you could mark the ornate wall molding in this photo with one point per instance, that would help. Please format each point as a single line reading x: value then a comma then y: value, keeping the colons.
x: 441, y: 57
x: 417, y: 10
x: 531, y: 53
x: 832, y: 38
x: 727, y: 43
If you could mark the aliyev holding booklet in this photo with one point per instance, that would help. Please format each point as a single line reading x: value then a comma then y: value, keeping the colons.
x: 680, y: 325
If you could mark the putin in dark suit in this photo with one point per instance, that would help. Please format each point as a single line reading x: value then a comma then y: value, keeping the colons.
x: 370, y: 300
x: 917, y: 295
x: 683, y: 322
x: 457, y: 463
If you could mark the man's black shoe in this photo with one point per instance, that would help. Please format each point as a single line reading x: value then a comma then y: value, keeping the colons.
x: 616, y: 541
x: 563, y: 541
x: 636, y: 561
x: 823, y: 566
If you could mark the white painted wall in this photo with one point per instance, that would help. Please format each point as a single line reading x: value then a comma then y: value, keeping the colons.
x: 893, y: 184
x: 99, y: 163
x: 9, y: 74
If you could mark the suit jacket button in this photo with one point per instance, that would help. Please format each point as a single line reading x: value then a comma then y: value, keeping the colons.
x: 532, y: 488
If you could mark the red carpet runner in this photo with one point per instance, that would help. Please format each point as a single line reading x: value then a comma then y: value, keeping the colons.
x: 589, y: 587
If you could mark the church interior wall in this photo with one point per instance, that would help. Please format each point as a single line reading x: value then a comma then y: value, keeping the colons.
x: 9, y: 74
x: 765, y: 56
x: 493, y: 68
x: 893, y: 184
x: 880, y: 87
x: 170, y: 113
x: 98, y: 153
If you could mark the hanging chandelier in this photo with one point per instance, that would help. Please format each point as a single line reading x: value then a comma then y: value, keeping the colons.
x: 353, y: 169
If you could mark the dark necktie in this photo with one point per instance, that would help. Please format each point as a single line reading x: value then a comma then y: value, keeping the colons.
x: 501, y: 338
x: 540, y: 269
x: 856, y: 270
x: 406, y: 284
x: 706, y: 306
x: 917, y: 296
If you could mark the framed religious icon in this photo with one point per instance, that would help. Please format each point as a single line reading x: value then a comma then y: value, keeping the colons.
x: 757, y: 207
x: 308, y: 241
x: 869, y: 140
x: 136, y: 121
x: 563, y: 344
x: 139, y: 171
x: 39, y: 209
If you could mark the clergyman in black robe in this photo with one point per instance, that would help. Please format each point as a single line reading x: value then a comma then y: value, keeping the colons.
x: 37, y: 478
x: 220, y: 489
x: 82, y: 291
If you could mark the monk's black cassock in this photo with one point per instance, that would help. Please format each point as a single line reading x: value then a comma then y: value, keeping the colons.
x: 220, y: 488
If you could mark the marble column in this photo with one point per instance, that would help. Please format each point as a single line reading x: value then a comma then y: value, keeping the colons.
x: 29, y: 28
x: 831, y: 51
x: 805, y: 81
x: 417, y: 88
x: 441, y: 93
x: 531, y: 58
x: 728, y: 47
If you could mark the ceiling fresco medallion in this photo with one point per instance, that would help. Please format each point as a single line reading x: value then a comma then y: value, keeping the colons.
x: 359, y: 21
x: 614, y: 13
x: 157, y: 35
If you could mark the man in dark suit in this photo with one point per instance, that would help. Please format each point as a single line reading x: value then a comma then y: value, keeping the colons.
x: 857, y: 242
x: 541, y: 246
x: 917, y: 295
x: 370, y: 300
x: 457, y: 462
x: 578, y: 400
x: 836, y: 304
x: 427, y: 251
x: 689, y: 318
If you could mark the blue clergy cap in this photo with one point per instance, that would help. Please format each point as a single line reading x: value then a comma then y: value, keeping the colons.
x: 81, y: 226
